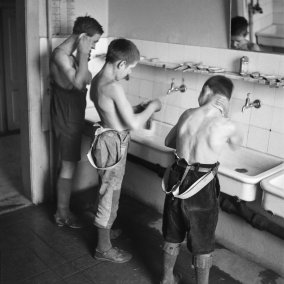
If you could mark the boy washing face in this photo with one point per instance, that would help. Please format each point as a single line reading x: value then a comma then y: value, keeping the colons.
x: 190, y: 210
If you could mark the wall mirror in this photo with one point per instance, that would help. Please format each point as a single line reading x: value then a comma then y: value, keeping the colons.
x: 189, y: 22
x: 265, y: 25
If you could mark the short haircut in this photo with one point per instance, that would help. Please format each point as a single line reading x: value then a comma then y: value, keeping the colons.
x: 238, y: 25
x: 122, y: 49
x: 219, y: 85
x: 87, y: 25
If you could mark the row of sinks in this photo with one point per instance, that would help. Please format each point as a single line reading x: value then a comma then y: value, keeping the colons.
x: 241, y: 172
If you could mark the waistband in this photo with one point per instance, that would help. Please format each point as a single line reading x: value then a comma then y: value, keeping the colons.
x: 199, y: 167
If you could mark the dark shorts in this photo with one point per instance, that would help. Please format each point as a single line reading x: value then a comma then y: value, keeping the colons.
x: 195, y: 217
x: 68, y: 120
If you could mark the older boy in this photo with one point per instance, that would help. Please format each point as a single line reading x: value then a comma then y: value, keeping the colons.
x: 70, y: 75
x: 110, y: 145
x: 191, y: 183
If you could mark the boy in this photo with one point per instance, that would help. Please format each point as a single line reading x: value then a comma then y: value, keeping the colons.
x: 70, y: 75
x: 109, y: 148
x: 198, y: 137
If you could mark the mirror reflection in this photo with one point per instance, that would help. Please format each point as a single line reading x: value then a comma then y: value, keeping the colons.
x: 257, y: 25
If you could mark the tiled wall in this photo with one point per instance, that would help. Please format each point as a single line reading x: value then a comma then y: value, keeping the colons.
x: 263, y: 128
x: 278, y: 12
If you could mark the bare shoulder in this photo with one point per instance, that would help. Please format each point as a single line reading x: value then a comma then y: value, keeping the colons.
x: 59, y: 57
x: 114, y: 90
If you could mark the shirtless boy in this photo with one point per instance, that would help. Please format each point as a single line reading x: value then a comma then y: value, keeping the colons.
x: 70, y: 75
x: 112, y: 138
x: 199, y: 137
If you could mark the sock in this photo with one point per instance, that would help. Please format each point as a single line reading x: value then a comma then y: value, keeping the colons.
x: 168, y: 267
x: 202, y: 275
x: 104, y: 242
x: 64, y: 186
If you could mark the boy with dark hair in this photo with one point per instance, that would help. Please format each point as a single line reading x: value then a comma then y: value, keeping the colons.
x: 239, y: 32
x: 191, y: 183
x: 69, y: 78
x: 109, y: 147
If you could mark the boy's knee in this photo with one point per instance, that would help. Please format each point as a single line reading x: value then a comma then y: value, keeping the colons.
x: 171, y: 248
x: 203, y: 261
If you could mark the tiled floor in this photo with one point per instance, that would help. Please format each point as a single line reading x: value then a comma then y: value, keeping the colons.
x: 34, y: 250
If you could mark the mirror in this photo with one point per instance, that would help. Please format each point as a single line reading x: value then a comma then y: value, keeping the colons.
x: 188, y: 22
x: 257, y: 25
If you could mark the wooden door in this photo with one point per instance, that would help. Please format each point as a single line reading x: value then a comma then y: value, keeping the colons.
x: 11, y: 73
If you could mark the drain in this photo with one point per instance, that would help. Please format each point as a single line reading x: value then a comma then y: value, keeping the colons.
x: 241, y: 170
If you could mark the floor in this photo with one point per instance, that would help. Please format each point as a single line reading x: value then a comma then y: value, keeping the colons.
x: 11, y: 197
x: 34, y: 250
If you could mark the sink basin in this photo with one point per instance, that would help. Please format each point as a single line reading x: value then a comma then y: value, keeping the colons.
x: 241, y: 171
x: 273, y: 193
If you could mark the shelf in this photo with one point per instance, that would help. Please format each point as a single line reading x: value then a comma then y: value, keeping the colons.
x: 269, y: 80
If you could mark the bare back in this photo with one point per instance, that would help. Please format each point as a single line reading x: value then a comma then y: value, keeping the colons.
x: 201, y: 134
x: 103, y: 93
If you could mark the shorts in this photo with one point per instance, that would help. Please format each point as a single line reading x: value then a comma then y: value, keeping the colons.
x: 68, y: 120
x: 195, y: 217
x: 108, y: 151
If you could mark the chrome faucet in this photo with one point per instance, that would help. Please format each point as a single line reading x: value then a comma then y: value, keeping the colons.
x: 182, y: 88
x: 248, y: 104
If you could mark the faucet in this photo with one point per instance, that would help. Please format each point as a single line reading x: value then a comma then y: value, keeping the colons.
x: 254, y: 9
x: 248, y: 104
x: 182, y: 88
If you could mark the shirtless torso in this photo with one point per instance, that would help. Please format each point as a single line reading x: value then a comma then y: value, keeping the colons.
x: 201, y: 133
x: 112, y: 105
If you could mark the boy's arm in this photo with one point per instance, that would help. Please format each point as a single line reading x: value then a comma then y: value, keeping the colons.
x: 77, y: 77
x: 170, y: 140
x: 235, y: 138
x: 125, y: 111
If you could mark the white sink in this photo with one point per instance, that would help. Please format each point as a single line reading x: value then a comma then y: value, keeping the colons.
x: 273, y: 193
x: 241, y: 171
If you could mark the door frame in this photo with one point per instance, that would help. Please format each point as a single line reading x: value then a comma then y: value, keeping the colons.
x: 34, y: 141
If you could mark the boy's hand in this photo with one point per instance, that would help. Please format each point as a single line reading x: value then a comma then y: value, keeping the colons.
x: 85, y: 43
x: 157, y: 104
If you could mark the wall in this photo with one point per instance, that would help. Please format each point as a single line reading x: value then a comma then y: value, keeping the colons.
x: 263, y: 128
x: 172, y: 21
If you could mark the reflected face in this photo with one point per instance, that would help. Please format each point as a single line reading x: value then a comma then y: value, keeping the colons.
x: 95, y: 38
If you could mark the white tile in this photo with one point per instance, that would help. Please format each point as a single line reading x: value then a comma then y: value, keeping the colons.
x: 134, y: 86
x: 149, y: 49
x: 258, y: 139
x: 146, y: 89
x: 146, y: 72
x: 269, y: 64
x: 279, y: 97
x: 276, y: 142
x: 262, y: 117
x: 176, y: 53
x: 172, y: 114
x: 265, y: 94
x: 192, y: 53
x: 160, y: 75
x: 278, y: 120
x: 163, y: 51
x: 133, y: 100
x: 242, y: 88
x: 236, y: 114
x: 160, y: 90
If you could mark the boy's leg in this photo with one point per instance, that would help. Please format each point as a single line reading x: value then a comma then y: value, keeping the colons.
x: 202, y: 264
x: 171, y: 251
x: 63, y: 216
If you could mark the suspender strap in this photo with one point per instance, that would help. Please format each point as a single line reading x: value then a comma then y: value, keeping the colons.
x: 194, y: 188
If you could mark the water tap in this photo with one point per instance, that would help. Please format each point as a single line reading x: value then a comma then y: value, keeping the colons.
x: 248, y: 104
x: 255, y: 8
x: 182, y: 88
